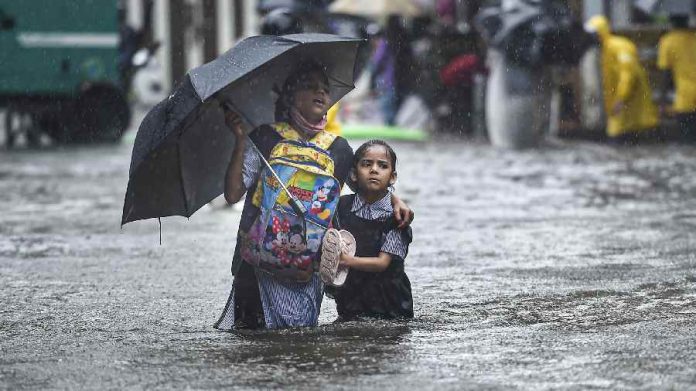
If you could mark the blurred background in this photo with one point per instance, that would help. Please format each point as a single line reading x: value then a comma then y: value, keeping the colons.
x: 77, y: 71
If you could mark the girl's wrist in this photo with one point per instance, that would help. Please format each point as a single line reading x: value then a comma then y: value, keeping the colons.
x: 346, y: 259
x: 240, y: 143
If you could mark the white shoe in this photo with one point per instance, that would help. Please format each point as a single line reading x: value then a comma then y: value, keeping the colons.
x: 348, y: 246
x: 334, y: 243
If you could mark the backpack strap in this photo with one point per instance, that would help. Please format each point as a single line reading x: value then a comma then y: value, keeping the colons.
x: 342, y: 209
x: 322, y: 139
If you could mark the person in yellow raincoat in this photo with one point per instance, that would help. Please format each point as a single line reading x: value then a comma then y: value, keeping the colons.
x: 332, y: 123
x: 676, y: 57
x: 627, y: 95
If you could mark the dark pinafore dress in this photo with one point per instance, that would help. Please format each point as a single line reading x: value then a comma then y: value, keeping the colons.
x: 384, y: 295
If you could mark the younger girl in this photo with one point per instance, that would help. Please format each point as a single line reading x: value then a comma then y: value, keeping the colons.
x: 377, y: 285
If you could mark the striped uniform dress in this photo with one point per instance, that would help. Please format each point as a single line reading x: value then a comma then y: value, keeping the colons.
x: 285, y: 304
x: 381, y: 210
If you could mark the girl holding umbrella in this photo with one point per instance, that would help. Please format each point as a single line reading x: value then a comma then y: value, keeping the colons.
x: 273, y: 286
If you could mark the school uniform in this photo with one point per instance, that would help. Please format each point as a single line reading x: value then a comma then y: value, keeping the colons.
x: 259, y: 299
x: 385, y: 294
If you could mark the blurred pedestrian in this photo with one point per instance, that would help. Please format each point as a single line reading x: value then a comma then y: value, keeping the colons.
x: 446, y: 11
x: 677, y: 60
x: 382, y: 83
x: 457, y: 77
x: 391, y: 66
x: 627, y: 95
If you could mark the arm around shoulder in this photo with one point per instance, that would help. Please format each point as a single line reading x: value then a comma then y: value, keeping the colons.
x: 402, y: 213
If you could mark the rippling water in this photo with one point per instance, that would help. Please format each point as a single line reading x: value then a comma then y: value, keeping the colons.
x: 571, y: 266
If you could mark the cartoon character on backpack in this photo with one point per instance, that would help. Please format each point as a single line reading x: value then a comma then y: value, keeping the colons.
x: 297, y: 247
x: 306, y: 169
x: 276, y: 240
x: 324, y: 194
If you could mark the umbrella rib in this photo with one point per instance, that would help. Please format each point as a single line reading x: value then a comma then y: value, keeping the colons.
x: 341, y: 82
x: 181, y: 178
x: 198, y: 114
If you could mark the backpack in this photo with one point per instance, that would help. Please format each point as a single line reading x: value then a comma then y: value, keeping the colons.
x: 279, y: 241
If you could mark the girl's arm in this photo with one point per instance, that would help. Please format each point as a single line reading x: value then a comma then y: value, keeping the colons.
x: 403, y: 214
x: 234, y: 184
x: 367, y: 264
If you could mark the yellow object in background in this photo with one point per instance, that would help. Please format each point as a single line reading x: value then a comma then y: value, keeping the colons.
x: 677, y: 53
x: 623, y: 80
x: 332, y: 124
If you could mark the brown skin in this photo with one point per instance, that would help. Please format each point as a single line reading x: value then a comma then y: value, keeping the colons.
x: 404, y: 216
x: 234, y: 186
x: 312, y: 99
x: 376, y: 264
x: 376, y: 181
x: 374, y: 174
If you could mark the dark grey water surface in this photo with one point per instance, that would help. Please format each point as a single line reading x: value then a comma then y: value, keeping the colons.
x: 567, y: 267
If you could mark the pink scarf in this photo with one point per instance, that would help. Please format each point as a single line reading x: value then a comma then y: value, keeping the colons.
x: 309, y: 129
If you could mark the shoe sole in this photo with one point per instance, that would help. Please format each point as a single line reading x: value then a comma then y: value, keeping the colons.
x: 334, y: 243
x: 330, y: 255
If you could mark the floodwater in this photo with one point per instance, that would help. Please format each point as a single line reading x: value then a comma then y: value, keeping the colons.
x: 572, y: 267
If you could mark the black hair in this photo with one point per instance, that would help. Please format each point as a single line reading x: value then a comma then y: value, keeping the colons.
x: 291, y: 85
x: 360, y: 152
x: 679, y: 21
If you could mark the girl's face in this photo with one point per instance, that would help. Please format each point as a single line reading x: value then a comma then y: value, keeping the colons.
x: 374, y: 172
x: 312, y: 98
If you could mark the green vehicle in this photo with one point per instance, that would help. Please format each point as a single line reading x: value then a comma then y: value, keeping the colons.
x: 61, y: 70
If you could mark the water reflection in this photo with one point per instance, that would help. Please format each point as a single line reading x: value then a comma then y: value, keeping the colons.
x: 567, y: 267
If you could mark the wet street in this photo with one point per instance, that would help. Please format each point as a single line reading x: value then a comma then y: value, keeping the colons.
x: 569, y: 267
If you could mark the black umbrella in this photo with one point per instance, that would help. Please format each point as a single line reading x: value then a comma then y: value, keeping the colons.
x: 183, y: 147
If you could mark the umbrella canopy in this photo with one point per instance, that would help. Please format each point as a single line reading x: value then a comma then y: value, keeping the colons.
x: 376, y: 9
x: 183, y: 147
